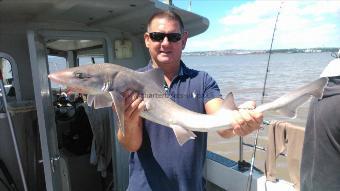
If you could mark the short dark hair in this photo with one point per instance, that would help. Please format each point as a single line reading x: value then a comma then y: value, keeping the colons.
x: 169, y: 14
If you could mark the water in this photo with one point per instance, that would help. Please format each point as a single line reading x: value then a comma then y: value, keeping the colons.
x: 244, y: 76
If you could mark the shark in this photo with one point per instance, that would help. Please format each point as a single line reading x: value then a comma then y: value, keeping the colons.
x: 104, y: 84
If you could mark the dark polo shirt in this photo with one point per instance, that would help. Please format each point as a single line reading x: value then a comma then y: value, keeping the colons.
x: 161, y: 164
x: 320, y: 165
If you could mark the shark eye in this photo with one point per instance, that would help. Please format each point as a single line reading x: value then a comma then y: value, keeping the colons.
x: 81, y: 75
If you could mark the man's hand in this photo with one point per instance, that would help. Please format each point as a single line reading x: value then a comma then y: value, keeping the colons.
x: 132, y: 139
x: 133, y: 106
x: 245, y: 121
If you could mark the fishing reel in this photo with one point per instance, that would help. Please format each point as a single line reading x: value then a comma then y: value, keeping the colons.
x: 62, y: 101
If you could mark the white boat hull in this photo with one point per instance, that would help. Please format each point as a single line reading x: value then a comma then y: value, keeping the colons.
x: 224, y: 173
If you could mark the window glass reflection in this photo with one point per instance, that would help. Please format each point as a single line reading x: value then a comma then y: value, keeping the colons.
x: 7, y: 75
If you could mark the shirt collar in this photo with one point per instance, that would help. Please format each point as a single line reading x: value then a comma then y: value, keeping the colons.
x: 183, y: 70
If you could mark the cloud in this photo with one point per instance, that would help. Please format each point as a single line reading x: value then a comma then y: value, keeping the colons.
x: 301, y: 24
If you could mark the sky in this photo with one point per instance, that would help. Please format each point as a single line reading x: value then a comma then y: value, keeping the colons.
x: 249, y: 24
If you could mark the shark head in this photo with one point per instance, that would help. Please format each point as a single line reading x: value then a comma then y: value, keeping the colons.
x: 89, y: 79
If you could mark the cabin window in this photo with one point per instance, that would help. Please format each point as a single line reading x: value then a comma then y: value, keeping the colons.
x: 91, y: 55
x: 90, y: 59
x: 56, y: 63
x: 8, y: 81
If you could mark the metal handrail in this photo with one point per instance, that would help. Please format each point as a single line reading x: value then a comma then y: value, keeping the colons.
x: 260, y: 148
x: 241, y: 143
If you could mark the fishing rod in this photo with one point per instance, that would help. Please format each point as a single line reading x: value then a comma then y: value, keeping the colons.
x: 16, y: 148
x: 250, y: 176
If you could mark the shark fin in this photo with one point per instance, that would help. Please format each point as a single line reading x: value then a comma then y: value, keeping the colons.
x: 289, y: 110
x: 314, y: 88
x: 155, y: 75
x: 102, y: 100
x: 182, y: 134
x: 229, y: 102
x: 119, y: 104
x: 90, y: 99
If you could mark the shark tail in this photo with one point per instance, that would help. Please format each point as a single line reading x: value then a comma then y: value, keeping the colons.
x: 314, y: 89
x: 290, y: 110
x: 301, y: 95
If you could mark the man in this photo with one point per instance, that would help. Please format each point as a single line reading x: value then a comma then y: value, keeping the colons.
x: 320, y: 164
x: 157, y: 161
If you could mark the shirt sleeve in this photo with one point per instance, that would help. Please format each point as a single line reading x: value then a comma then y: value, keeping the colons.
x: 211, y: 89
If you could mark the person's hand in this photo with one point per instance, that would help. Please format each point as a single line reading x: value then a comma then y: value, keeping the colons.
x: 134, y: 105
x: 245, y: 121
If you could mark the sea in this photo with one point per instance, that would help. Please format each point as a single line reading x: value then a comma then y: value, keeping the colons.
x: 244, y: 75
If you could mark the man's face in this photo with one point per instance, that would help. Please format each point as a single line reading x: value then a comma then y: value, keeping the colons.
x: 164, y: 51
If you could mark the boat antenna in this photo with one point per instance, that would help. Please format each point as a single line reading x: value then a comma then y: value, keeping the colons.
x: 250, y: 176
x: 16, y: 148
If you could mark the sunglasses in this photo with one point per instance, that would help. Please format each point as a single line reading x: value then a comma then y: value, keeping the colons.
x: 159, y: 36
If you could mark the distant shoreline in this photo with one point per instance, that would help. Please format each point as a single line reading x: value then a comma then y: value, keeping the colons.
x: 244, y: 52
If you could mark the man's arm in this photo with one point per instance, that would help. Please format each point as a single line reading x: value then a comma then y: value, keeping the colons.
x: 245, y: 121
x: 133, y: 136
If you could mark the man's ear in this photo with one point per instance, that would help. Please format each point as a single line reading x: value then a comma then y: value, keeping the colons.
x: 184, y: 39
x: 146, y: 40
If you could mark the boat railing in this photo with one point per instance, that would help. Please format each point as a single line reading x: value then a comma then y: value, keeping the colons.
x: 261, y: 148
x: 242, y: 143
